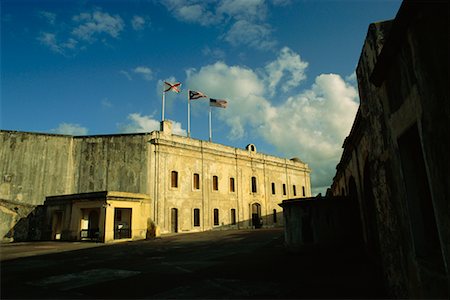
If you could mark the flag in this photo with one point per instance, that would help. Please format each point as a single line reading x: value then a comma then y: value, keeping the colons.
x: 193, y: 95
x: 172, y: 86
x: 218, y: 103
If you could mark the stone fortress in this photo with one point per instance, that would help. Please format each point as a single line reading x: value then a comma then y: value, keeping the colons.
x: 132, y: 186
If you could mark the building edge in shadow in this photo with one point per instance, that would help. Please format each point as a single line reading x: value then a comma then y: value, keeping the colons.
x: 395, y: 162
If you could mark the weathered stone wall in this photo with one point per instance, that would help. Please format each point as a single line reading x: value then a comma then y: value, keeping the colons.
x: 40, y: 165
x: 397, y: 151
x: 111, y: 162
x: 188, y: 156
x: 34, y: 166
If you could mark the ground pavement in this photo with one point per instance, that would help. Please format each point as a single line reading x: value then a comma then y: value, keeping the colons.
x: 231, y: 264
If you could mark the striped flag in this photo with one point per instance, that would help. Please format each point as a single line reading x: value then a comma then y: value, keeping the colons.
x: 194, y: 95
x: 218, y: 103
x: 172, y: 86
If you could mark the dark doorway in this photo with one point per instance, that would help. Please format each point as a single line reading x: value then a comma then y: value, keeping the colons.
x: 174, y: 220
x: 424, y: 230
x: 93, y: 225
x: 256, y: 215
x: 57, y: 225
x: 122, y: 223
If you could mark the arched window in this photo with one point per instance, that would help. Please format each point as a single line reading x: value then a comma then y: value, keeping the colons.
x: 174, y: 179
x: 273, y: 188
x: 294, y: 190
x: 303, y: 191
x: 284, y: 189
x: 254, y: 189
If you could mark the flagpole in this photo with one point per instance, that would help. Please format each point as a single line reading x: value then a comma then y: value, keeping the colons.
x: 189, y: 114
x: 210, y: 130
x: 163, y: 101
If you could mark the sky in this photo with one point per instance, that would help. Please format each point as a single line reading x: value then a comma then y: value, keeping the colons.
x: 285, y: 67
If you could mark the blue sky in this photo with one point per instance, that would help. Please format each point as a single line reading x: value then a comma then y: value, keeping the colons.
x: 285, y: 67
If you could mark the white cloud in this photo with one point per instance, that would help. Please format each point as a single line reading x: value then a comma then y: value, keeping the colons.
x: 49, y: 39
x: 138, y: 22
x: 106, y: 103
x: 145, y: 72
x: 215, y: 53
x: 70, y: 129
x: 289, y: 67
x: 192, y: 11
x: 255, y: 35
x: 126, y: 74
x: 48, y: 16
x: 144, y: 123
x: 243, y: 9
x: 243, y: 22
x: 311, y: 125
x: 93, y: 24
x: 85, y: 28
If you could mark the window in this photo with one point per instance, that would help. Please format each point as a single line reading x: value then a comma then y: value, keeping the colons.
x: 196, y: 217
x: 294, y: 189
x: 215, y: 183
x: 232, y: 184
x: 284, y: 189
x: 174, y: 181
x: 273, y: 188
x: 216, y: 216
x: 304, y: 193
x: 254, y: 184
x: 233, y: 216
x: 274, y: 215
x: 196, y: 181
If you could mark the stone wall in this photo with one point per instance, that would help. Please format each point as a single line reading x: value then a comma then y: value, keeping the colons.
x: 188, y: 157
x: 110, y: 162
x: 395, y: 160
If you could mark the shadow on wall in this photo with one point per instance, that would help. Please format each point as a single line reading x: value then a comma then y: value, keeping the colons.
x: 20, y: 221
x: 256, y: 222
x: 321, y: 221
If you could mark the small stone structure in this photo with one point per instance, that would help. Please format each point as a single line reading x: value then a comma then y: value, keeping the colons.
x: 99, y: 216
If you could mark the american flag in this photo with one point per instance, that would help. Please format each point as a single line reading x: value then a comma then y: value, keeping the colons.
x: 218, y: 103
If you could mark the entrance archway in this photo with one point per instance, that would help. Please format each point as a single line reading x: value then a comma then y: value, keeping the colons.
x: 256, y: 215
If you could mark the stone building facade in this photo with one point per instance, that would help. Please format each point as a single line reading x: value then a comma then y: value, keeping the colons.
x: 395, y: 160
x: 183, y: 184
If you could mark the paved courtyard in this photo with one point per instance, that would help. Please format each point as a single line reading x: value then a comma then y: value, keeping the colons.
x: 232, y: 264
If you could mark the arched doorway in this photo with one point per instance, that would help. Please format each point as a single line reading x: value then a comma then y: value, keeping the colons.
x: 256, y: 215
